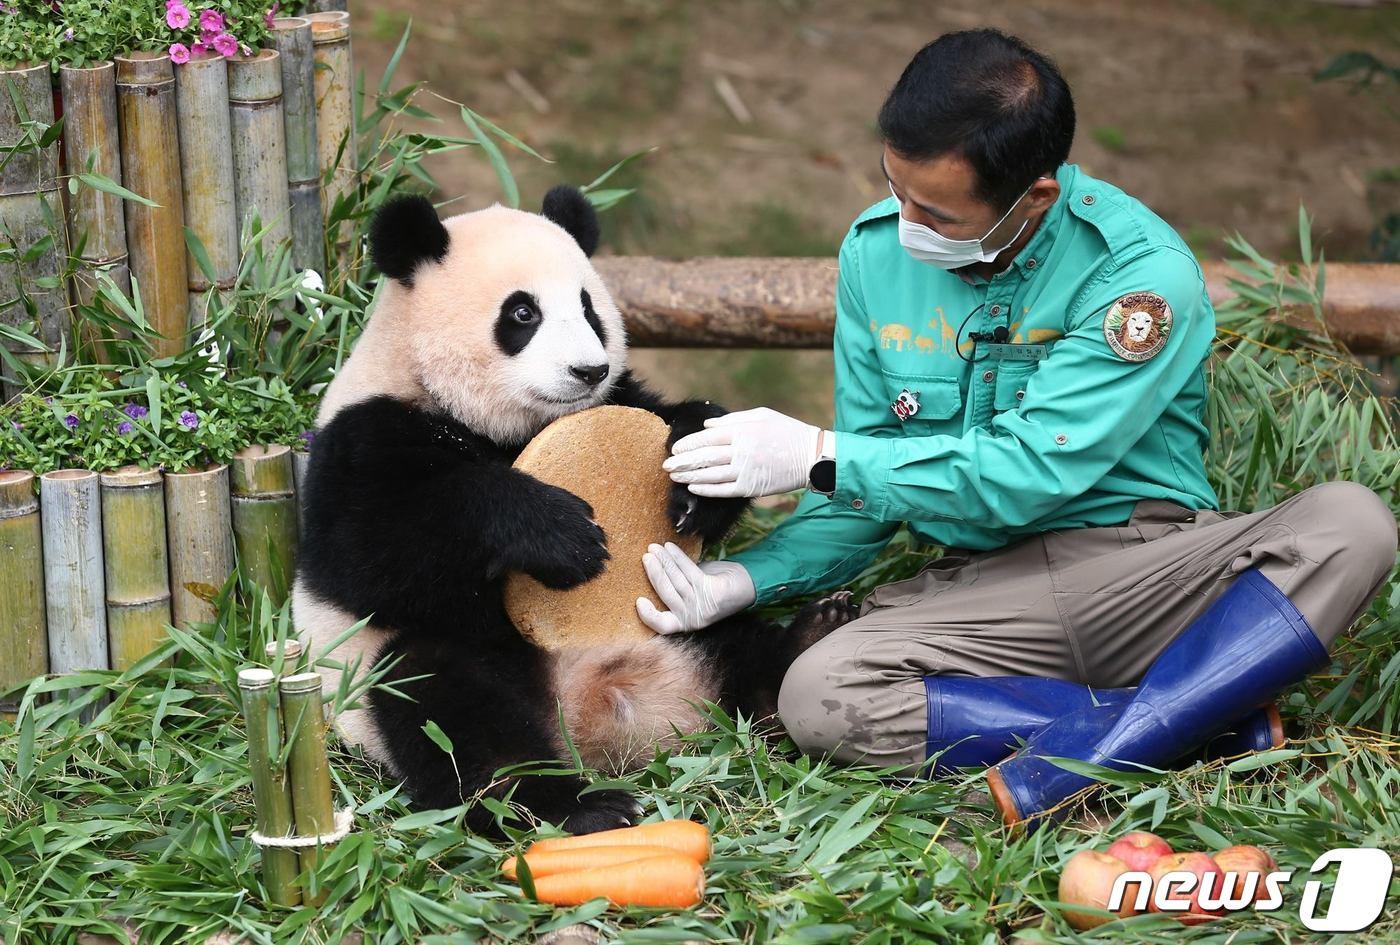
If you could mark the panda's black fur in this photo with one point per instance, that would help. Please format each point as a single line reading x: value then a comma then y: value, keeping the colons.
x: 413, y: 517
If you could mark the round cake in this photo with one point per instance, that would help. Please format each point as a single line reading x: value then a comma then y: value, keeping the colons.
x: 611, y: 458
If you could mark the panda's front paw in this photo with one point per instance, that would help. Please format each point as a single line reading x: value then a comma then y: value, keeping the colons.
x: 571, y: 548
x: 603, y: 810
x: 709, y: 518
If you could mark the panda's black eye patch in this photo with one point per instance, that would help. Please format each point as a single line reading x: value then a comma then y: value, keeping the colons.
x: 518, y: 321
x: 592, y: 317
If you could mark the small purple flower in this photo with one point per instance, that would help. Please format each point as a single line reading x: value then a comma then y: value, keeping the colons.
x: 16, y: 425
x: 124, y: 427
x: 71, y: 421
x: 177, y: 16
x: 225, y: 44
x: 188, y: 420
x: 135, y: 411
x: 68, y: 34
x: 181, y: 384
x: 211, y: 21
x: 307, y: 436
x: 179, y: 54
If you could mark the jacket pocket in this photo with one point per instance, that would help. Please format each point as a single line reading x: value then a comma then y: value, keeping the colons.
x: 1012, y: 378
x: 939, y: 398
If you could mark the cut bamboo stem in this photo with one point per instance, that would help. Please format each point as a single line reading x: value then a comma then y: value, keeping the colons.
x: 31, y: 210
x: 23, y: 650
x: 259, y: 144
x: 151, y: 167
x: 292, y: 36
x: 265, y: 517
x: 288, y: 651
x: 135, y: 565
x: 96, y: 219
x: 206, y: 169
x: 307, y: 766
x: 200, y: 535
x: 70, y: 513
x: 272, y: 791
x: 335, y: 131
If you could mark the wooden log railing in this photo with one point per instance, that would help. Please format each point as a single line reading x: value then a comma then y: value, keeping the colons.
x: 744, y: 302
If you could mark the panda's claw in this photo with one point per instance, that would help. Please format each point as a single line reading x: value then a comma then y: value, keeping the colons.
x: 603, y: 810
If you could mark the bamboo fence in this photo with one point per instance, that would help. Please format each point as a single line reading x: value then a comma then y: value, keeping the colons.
x: 96, y: 565
x: 209, y: 141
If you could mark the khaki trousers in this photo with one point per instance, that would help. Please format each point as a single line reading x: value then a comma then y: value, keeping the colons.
x: 1091, y: 605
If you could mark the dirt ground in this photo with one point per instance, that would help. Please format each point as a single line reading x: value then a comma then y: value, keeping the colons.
x: 762, y: 113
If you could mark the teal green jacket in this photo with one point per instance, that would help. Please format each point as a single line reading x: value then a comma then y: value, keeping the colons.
x: 1095, y: 399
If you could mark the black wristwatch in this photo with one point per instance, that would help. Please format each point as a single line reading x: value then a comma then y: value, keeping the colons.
x: 822, y: 476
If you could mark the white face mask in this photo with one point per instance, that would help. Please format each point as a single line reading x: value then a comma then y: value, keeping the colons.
x: 932, y: 247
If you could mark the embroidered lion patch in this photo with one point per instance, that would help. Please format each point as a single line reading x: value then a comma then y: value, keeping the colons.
x: 1137, y: 325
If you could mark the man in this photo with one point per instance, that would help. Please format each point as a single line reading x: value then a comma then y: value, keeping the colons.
x: 1020, y: 356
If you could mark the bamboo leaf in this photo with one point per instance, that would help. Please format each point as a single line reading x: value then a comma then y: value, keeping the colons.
x: 497, y: 159
x: 109, y: 186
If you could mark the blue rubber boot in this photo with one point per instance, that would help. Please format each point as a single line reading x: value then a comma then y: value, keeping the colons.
x: 1249, y: 644
x: 976, y: 721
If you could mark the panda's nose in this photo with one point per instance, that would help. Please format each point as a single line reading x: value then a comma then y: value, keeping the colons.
x: 590, y: 374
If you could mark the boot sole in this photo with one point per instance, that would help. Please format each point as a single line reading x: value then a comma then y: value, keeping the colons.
x: 1001, y: 796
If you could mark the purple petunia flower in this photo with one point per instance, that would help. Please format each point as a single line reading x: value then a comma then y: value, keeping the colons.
x: 124, y: 427
x: 188, y: 420
x: 179, y: 54
x: 135, y: 411
x: 177, y: 16
x: 225, y: 44
x: 71, y: 421
x: 211, y: 21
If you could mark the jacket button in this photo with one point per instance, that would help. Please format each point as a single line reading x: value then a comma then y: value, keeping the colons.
x: 857, y: 503
x: 1030, y: 263
x: 1020, y: 395
x: 989, y: 376
x: 1061, y: 439
x: 1088, y: 200
x: 996, y: 309
x: 782, y: 588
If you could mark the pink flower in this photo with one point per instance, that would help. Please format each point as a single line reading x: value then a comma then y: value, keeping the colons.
x: 225, y: 44
x: 272, y: 12
x: 211, y: 21
x: 199, y: 48
x: 177, y: 16
x: 179, y: 54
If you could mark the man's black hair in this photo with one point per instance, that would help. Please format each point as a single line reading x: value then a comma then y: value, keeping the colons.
x: 988, y: 97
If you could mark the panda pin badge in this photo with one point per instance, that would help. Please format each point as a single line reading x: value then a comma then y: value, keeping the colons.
x: 906, y: 404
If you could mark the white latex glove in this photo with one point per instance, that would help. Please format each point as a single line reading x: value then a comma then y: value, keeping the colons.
x: 697, y: 595
x: 745, y: 454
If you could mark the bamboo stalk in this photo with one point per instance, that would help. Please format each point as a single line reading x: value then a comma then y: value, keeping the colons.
x: 96, y: 219
x: 301, y: 462
x: 260, y: 143
x: 292, y: 35
x: 134, y: 563
x: 23, y: 650
x: 307, y: 766
x: 264, y: 516
x: 151, y: 167
x: 335, y: 132
x: 71, y: 516
x: 31, y: 209
x: 272, y: 792
x: 200, y: 535
x: 288, y: 651
x: 206, y: 170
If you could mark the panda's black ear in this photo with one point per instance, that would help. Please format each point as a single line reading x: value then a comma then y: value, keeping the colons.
x: 568, y: 207
x: 405, y: 233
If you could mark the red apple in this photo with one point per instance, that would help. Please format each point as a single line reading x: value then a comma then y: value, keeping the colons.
x: 1242, y: 860
x: 1198, y: 863
x: 1139, y: 849
x: 1087, y: 880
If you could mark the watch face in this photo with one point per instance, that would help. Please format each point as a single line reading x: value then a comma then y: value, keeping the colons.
x: 823, y: 476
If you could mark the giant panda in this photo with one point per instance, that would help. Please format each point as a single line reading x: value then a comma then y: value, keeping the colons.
x: 489, y: 325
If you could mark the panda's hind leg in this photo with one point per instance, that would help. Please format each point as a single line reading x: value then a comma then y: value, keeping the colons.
x: 750, y: 656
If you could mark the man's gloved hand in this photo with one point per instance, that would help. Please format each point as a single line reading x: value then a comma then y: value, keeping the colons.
x: 749, y: 453
x: 697, y: 595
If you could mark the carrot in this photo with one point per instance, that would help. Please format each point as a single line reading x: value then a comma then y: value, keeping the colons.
x: 669, y: 880
x: 683, y: 836
x: 549, y: 862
